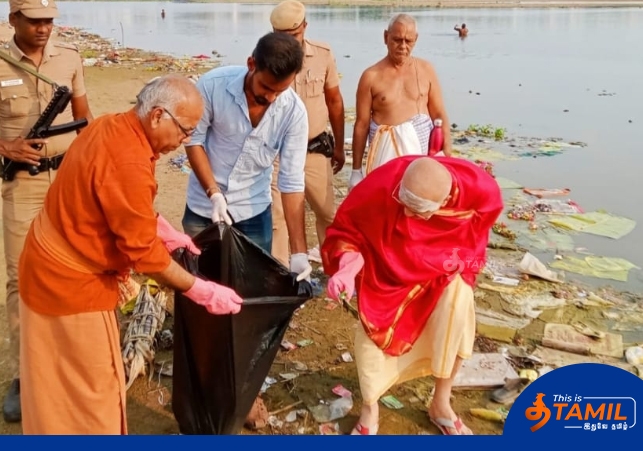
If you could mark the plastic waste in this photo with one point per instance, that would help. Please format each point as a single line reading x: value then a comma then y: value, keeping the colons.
x: 221, y: 361
x: 634, y: 355
x: 339, y: 408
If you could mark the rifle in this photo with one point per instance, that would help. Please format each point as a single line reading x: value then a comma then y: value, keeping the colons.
x: 43, y: 128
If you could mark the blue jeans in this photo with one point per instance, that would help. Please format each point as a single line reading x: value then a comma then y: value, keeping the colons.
x: 257, y: 228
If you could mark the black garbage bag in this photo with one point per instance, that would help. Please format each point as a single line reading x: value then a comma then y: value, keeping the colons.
x: 221, y: 361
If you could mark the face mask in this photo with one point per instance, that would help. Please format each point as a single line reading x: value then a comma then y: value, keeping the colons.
x: 417, y: 203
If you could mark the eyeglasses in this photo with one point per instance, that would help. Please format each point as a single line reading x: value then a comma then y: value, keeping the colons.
x: 185, y: 131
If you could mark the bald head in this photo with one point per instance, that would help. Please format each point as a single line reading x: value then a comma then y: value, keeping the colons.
x: 402, y: 19
x: 425, y: 185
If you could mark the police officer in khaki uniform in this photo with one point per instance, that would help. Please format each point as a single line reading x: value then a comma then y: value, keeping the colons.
x: 318, y: 87
x: 23, y: 97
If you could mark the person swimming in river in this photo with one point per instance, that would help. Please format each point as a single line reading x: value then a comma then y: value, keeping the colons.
x: 463, y: 31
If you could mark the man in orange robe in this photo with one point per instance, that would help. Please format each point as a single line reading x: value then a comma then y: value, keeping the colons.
x: 412, y: 236
x: 98, y: 223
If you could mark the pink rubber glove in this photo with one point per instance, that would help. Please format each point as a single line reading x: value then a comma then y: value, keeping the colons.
x: 172, y: 238
x: 343, y: 281
x: 217, y: 299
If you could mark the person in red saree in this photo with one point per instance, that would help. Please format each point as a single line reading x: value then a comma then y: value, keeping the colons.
x: 411, y: 238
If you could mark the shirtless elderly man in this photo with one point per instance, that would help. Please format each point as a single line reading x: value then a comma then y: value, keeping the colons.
x: 397, y: 100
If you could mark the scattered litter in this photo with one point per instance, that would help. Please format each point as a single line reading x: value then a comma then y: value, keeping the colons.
x: 613, y: 268
x: 329, y: 429
x: 530, y: 305
x: 556, y: 359
x: 298, y: 366
x: 634, y: 355
x: 291, y: 416
x: 497, y: 326
x: 481, y: 371
x: 506, y: 281
x: 288, y: 376
x: 181, y: 162
x: 392, y: 402
x: 547, y: 239
x: 267, y: 383
x: 288, y: 346
x: 275, y: 422
x: 530, y: 375
x: 347, y: 357
x: 339, y: 390
x: 596, y: 223
x: 305, y: 342
x: 541, y: 192
x: 339, y: 408
x: 501, y: 229
x: 508, y: 393
x: 164, y: 368
x: 588, y: 330
x: 489, y: 415
x: 165, y: 339
x: 532, y: 266
x: 147, y: 320
x: 565, y: 338
x: 318, y: 288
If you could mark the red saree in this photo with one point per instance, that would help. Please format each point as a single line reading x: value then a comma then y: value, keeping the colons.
x: 409, y: 261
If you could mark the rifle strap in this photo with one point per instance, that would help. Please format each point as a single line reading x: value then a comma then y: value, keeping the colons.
x: 9, y: 59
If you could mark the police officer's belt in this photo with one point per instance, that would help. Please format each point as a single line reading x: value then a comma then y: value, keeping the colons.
x: 46, y: 164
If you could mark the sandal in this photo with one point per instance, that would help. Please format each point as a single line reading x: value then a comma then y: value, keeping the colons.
x: 258, y: 416
x: 360, y: 429
x: 510, y: 391
x: 444, y: 424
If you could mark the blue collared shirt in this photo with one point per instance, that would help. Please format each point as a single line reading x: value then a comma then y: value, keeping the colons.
x: 241, y: 157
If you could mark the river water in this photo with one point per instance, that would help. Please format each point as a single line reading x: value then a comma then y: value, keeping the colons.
x: 568, y: 73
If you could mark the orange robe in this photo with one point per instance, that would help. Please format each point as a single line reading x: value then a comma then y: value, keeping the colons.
x: 98, y: 223
x: 408, y: 261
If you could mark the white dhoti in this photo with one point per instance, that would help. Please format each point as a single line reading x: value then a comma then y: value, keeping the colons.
x: 449, y: 333
x: 390, y: 141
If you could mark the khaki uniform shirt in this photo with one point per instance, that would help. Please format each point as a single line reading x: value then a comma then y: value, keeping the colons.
x: 23, y: 97
x: 319, y: 72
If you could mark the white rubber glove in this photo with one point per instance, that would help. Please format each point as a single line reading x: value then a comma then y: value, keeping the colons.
x: 356, y: 177
x: 219, y: 209
x: 300, y: 266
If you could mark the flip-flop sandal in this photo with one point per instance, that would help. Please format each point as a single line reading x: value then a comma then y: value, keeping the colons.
x: 258, y: 416
x: 444, y: 424
x: 510, y: 391
x: 360, y: 429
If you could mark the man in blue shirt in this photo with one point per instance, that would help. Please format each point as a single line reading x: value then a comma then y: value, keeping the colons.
x: 251, y: 117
